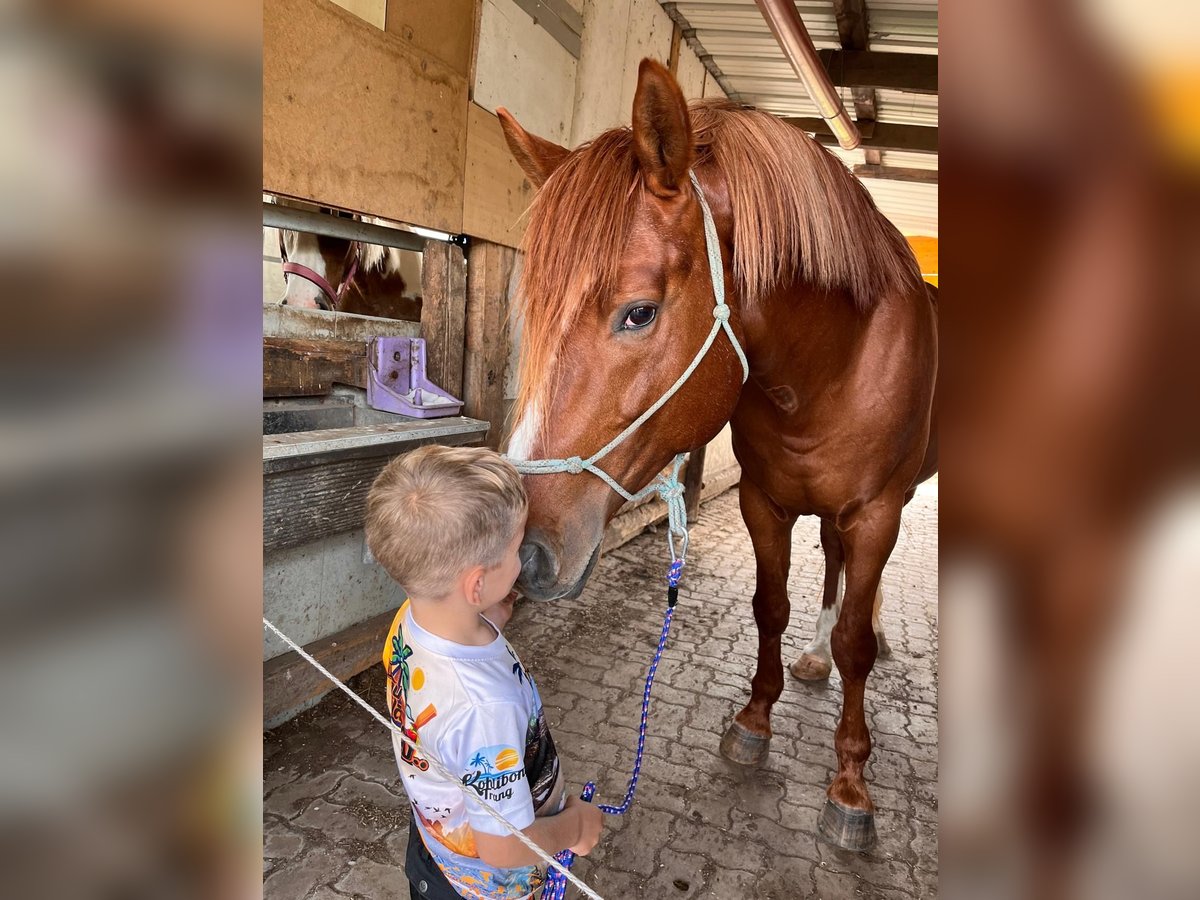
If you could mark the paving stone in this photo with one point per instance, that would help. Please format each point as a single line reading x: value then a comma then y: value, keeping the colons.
x: 279, y: 841
x: 318, y: 866
x: 680, y: 876
x: 339, y: 822
x: 785, y: 878
x: 375, y: 880
x: 289, y: 799
x: 730, y: 884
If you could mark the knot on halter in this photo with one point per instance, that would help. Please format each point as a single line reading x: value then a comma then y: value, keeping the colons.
x: 574, y: 465
x: 721, y: 313
x: 671, y: 492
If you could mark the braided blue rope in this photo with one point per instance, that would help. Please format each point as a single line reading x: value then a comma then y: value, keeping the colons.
x: 556, y: 882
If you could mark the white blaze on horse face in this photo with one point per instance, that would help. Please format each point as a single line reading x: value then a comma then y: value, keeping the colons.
x: 520, y: 444
x: 303, y: 249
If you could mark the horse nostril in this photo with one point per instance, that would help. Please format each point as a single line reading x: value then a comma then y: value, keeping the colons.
x: 538, y: 565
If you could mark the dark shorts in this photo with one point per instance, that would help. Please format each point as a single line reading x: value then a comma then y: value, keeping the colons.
x: 426, y: 881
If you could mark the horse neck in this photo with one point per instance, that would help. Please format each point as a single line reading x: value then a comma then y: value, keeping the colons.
x: 799, y: 335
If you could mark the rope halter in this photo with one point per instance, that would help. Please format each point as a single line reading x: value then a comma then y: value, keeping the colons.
x: 668, y: 486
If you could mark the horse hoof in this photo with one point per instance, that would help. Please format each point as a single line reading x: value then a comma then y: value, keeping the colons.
x: 811, y: 668
x: 850, y: 829
x: 743, y: 746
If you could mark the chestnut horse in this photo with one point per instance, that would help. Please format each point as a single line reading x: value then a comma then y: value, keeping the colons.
x: 841, y: 336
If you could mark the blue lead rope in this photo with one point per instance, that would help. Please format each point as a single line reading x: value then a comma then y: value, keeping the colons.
x: 556, y: 882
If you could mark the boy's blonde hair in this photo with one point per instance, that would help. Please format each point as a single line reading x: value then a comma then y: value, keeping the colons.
x: 437, y: 511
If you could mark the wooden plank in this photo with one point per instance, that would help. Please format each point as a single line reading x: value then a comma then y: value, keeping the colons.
x: 316, y: 500
x: 497, y: 192
x: 306, y: 448
x: 647, y: 32
x: 897, y: 173
x: 318, y: 324
x: 521, y: 67
x: 693, y: 481
x: 690, y: 73
x: 289, y: 681
x: 374, y: 12
x: 441, y: 28
x: 851, y: 17
x: 916, y: 73
x: 443, y: 314
x: 357, y: 118
x: 293, y: 367
x: 676, y: 40
x: 884, y: 135
x: 489, y: 274
x: 598, y: 87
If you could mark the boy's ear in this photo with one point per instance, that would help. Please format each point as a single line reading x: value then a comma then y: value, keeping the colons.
x: 472, y: 585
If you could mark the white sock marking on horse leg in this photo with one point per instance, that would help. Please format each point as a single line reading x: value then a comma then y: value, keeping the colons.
x: 819, y: 645
x: 877, y: 626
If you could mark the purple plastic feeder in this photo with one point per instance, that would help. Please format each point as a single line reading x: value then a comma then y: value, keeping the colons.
x: 398, y: 383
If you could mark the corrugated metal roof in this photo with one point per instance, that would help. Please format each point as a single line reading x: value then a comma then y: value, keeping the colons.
x: 742, y: 47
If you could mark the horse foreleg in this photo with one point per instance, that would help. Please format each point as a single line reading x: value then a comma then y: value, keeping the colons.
x: 848, y: 818
x: 816, y: 659
x: 749, y: 735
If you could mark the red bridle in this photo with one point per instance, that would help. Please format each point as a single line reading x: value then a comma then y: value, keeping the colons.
x: 349, y: 269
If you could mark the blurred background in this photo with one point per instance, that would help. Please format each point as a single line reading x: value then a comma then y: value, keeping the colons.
x: 1070, y: 517
x: 130, y: 478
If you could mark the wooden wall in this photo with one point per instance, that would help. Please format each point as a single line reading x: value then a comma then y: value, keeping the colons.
x: 360, y: 118
x: 386, y: 107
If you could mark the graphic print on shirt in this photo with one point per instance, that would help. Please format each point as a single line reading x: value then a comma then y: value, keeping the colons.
x: 400, y: 681
x: 493, y: 772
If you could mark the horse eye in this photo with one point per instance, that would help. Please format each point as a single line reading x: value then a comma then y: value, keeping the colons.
x: 639, y: 317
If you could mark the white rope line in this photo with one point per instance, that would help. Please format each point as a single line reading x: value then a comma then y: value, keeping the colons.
x: 435, y: 765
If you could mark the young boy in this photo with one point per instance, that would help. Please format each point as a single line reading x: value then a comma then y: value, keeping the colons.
x: 446, y: 523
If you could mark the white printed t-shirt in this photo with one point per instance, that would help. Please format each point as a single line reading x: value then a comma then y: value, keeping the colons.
x: 477, y: 711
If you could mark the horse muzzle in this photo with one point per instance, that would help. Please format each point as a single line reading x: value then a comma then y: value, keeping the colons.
x: 541, y: 575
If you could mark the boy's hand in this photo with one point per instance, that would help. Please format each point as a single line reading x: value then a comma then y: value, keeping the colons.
x: 499, y: 614
x: 591, y: 822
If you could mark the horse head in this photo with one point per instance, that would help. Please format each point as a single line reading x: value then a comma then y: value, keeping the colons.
x: 617, y: 299
x: 318, y: 269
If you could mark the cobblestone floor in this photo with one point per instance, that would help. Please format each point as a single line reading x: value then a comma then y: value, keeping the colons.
x: 335, y: 820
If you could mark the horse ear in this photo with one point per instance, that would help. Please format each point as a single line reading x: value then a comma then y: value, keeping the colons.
x: 536, y: 156
x: 662, y: 129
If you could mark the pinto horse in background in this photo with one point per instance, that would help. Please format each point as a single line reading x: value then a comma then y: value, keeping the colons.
x: 841, y: 337
x: 331, y: 273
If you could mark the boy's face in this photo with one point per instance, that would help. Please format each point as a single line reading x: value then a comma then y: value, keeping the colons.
x: 497, y: 597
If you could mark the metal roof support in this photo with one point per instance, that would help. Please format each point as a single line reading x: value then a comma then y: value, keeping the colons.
x: 785, y: 23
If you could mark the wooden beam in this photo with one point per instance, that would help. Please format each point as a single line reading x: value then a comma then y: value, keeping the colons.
x: 896, y: 173
x: 443, y: 314
x: 673, y: 59
x: 489, y: 271
x: 884, y: 135
x: 294, y: 367
x: 693, y: 483
x: 916, y: 73
x: 851, y: 16
x: 289, y: 681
